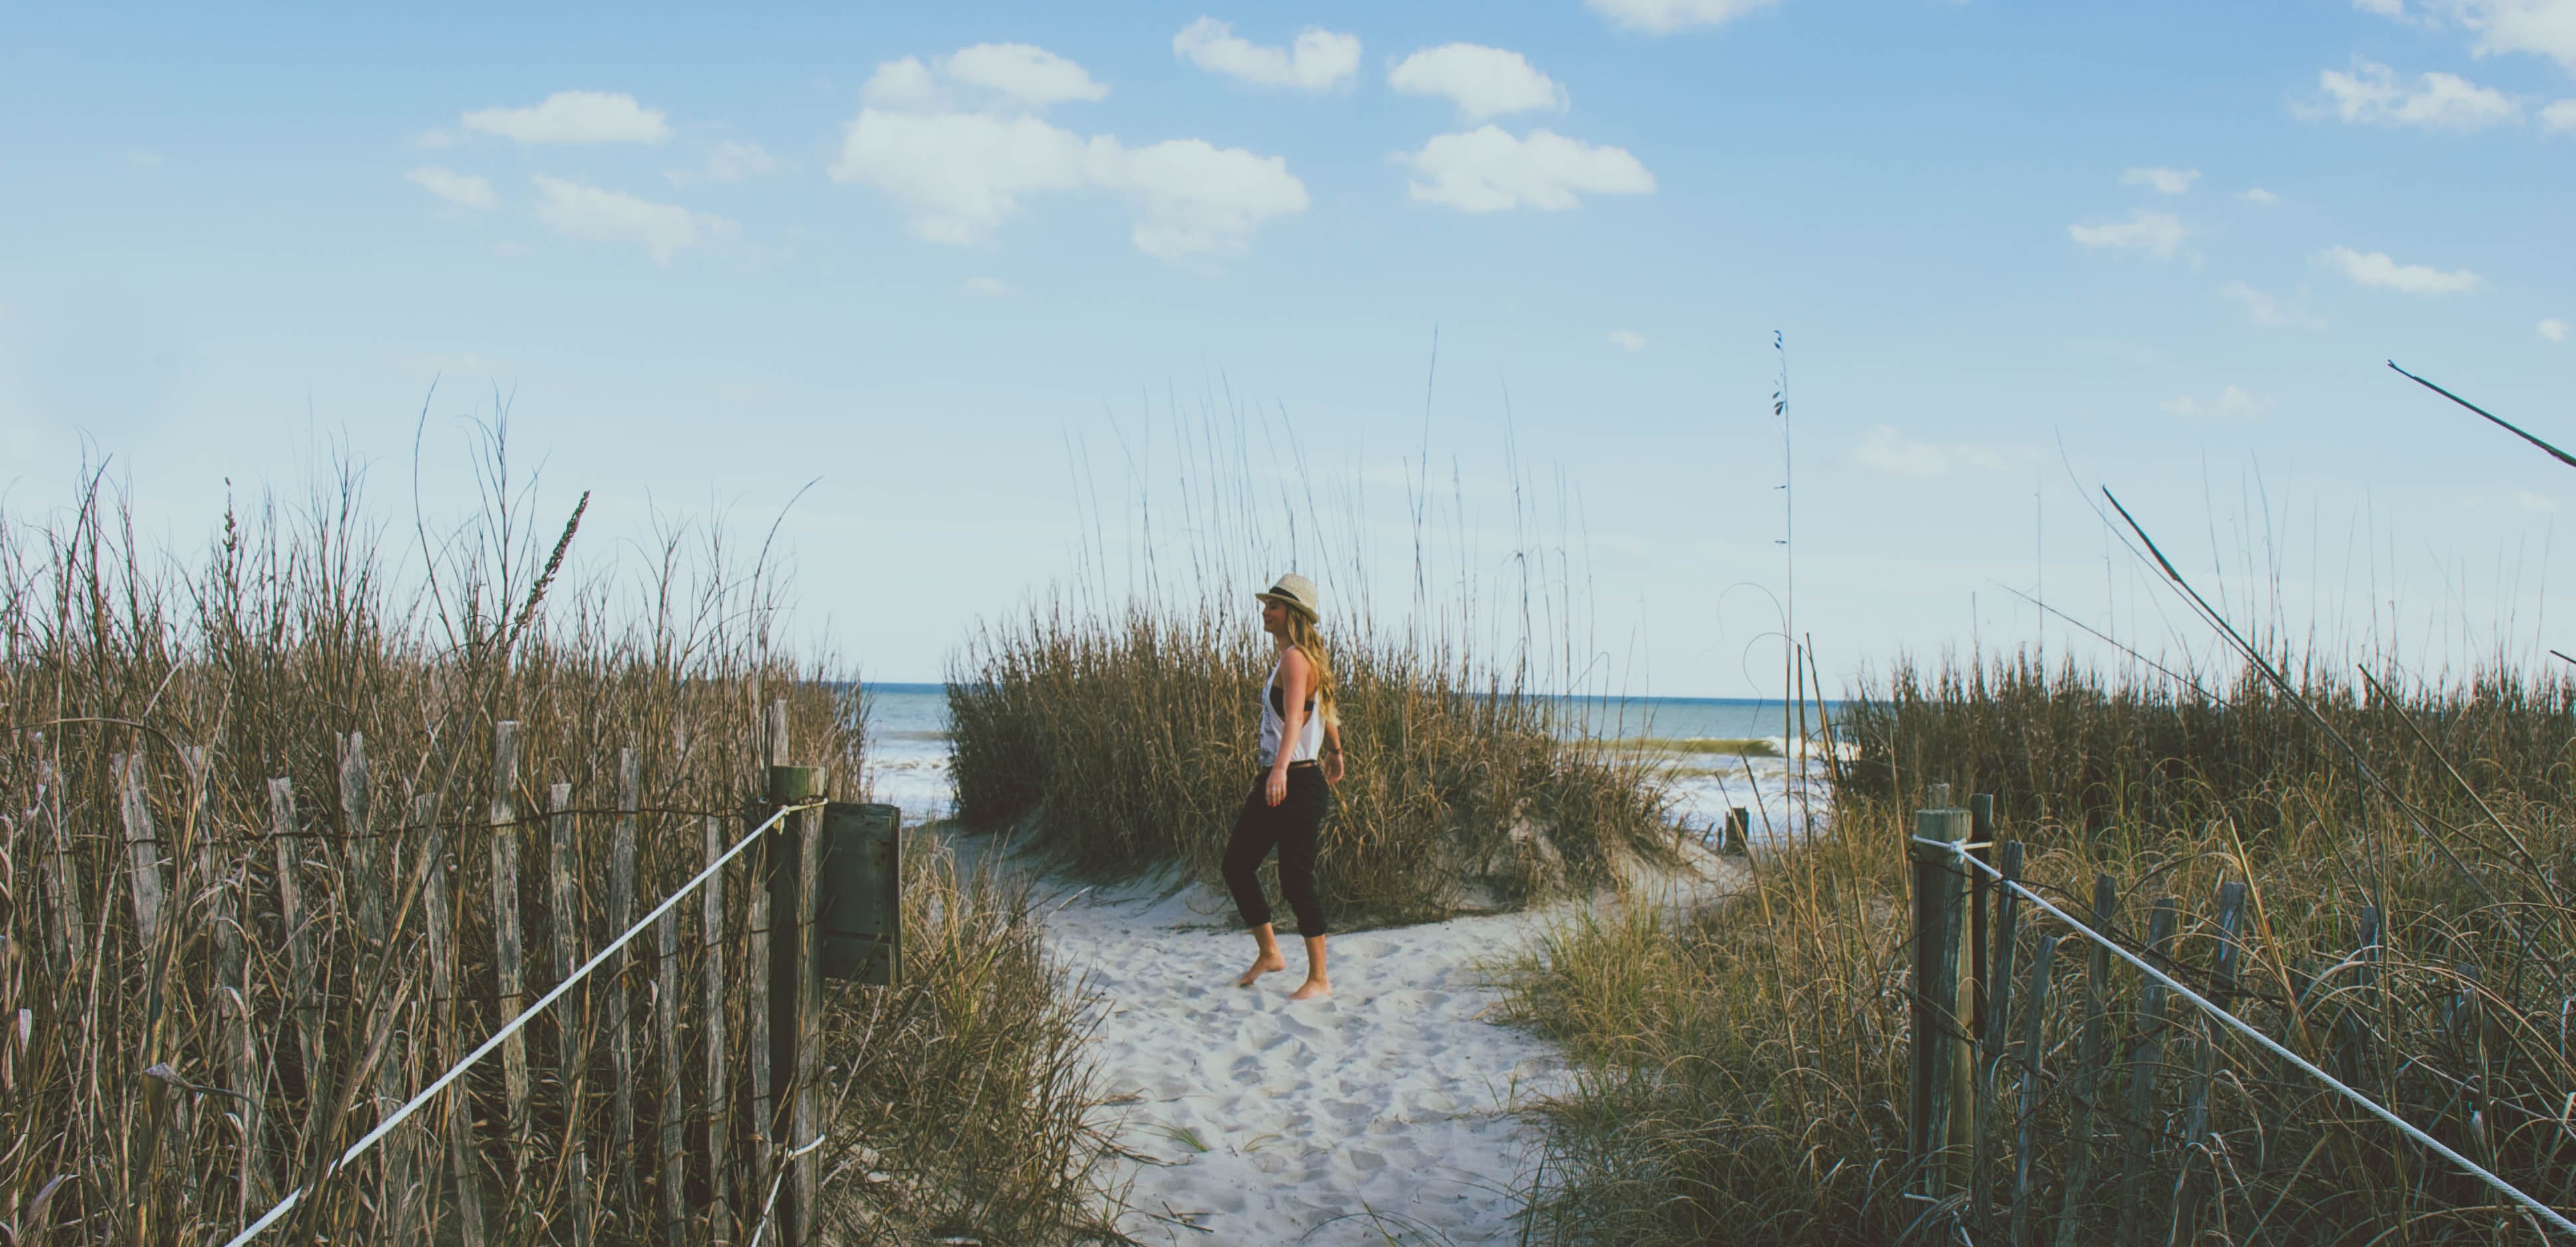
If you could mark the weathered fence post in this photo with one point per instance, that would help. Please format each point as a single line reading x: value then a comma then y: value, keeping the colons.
x: 239, y: 1039
x: 301, y: 1000
x: 572, y: 1048
x: 2087, y: 1081
x: 1937, y: 922
x: 669, y: 1162
x: 1736, y: 840
x: 1996, y: 1027
x: 2144, y: 1064
x: 1981, y: 839
x: 143, y: 848
x: 621, y: 1034
x: 2195, y: 1135
x: 508, y: 968
x: 373, y: 864
x: 464, y: 1160
x: 795, y: 992
x: 2033, y: 1028
x: 760, y: 972
x: 712, y: 935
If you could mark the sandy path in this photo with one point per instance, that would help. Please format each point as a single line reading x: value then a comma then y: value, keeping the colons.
x: 1385, y: 1114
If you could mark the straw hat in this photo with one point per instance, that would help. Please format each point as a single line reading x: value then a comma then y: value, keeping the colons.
x: 1294, y: 592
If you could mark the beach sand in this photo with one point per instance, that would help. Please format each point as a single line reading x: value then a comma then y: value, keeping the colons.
x: 1388, y: 1113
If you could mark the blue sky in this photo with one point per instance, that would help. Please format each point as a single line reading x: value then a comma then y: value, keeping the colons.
x: 2017, y: 252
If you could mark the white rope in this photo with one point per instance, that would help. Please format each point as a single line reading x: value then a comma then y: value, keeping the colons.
x: 2552, y: 1215
x: 457, y: 1070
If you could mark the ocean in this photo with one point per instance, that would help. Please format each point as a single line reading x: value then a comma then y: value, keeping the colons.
x: 907, y: 752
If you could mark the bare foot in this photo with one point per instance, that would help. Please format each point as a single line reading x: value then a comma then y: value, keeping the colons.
x: 1313, y: 989
x: 1260, y: 966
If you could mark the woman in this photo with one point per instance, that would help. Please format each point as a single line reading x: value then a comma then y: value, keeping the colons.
x: 1301, y: 752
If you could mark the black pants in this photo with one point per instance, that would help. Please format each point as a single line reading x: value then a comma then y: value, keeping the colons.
x: 1292, y: 826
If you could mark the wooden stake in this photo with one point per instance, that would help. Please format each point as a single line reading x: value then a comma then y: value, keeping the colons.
x: 1937, y: 924
x: 301, y: 1000
x: 712, y: 935
x: 573, y: 1020
x: 1996, y: 1028
x: 508, y: 968
x: 2143, y: 1066
x: 2034, y: 1013
x: 464, y: 1158
x: 621, y: 1035
x: 2087, y: 1083
x: 2195, y: 1135
x: 670, y: 1167
x: 143, y: 849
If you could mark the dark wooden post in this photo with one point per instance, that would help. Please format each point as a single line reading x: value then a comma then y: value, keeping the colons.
x: 2087, y: 1084
x: 2187, y: 1188
x: 1981, y: 834
x: 712, y: 934
x: 2034, y: 1013
x: 572, y: 1025
x: 621, y: 1002
x: 794, y: 994
x: 1996, y: 1028
x: 2143, y: 1066
x: 1937, y: 920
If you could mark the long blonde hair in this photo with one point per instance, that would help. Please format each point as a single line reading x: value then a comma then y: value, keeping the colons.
x: 1309, y: 640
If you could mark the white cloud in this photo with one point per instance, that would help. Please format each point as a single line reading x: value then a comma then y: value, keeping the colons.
x: 2372, y: 95
x: 2267, y: 310
x: 574, y: 117
x: 1628, y: 339
x: 463, y: 190
x: 1193, y: 197
x: 729, y: 162
x: 595, y: 215
x: 2231, y: 404
x: 435, y: 139
x: 2384, y: 8
x: 1483, y: 82
x: 1663, y: 17
x: 990, y: 287
x: 2532, y: 502
x: 2166, y: 181
x: 962, y: 175
x: 2156, y: 233
x: 1031, y: 76
x: 2544, y: 27
x: 1883, y: 450
x: 2553, y: 329
x: 1489, y: 170
x: 906, y: 83
x: 2259, y: 197
x: 1319, y: 61
x: 2558, y: 118
x: 2376, y: 269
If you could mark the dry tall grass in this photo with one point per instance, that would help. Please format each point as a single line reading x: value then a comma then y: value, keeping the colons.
x: 128, y: 1116
x: 1744, y: 1069
x: 1132, y: 738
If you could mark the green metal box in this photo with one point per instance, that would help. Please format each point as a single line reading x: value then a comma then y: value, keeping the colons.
x: 859, y: 898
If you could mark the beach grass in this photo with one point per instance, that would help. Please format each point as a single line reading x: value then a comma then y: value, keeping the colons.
x: 1741, y: 1071
x: 1748, y: 746
x: 1130, y: 739
x: 304, y: 619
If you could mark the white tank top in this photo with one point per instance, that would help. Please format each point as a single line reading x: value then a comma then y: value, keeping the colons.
x: 1310, y: 734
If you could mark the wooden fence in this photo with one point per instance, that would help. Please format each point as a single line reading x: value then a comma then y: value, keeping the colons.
x: 301, y: 978
x: 2058, y: 1105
